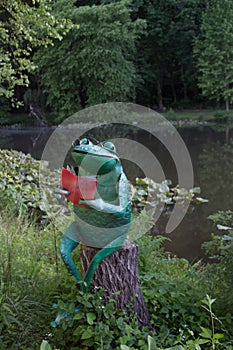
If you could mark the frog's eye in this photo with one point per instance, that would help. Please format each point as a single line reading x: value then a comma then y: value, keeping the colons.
x: 84, y: 141
x: 75, y: 143
x: 110, y: 146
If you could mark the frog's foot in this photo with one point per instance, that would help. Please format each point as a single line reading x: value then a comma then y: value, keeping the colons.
x: 64, y: 314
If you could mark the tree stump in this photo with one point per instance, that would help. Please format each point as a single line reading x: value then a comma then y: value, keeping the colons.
x: 119, y: 272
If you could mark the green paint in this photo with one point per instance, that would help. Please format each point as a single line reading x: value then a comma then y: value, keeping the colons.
x: 105, y: 220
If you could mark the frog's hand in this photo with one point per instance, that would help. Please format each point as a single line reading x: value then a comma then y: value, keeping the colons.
x: 101, y: 255
x: 123, y: 196
x: 66, y: 248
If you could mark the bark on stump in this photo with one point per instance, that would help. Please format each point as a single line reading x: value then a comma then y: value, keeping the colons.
x: 119, y: 272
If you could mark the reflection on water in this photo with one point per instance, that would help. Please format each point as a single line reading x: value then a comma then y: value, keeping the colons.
x: 30, y: 140
x: 211, y: 150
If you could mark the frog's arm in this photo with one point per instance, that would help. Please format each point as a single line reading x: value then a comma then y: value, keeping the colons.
x: 123, y: 195
x: 66, y: 248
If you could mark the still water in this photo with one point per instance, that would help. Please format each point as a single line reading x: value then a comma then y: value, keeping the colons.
x: 211, y: 151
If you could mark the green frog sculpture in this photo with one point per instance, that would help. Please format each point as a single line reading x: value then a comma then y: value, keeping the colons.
x: 104, y: 221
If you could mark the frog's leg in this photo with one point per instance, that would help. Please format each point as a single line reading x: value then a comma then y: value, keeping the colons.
x: 101, y: 255
x: 66, y: 248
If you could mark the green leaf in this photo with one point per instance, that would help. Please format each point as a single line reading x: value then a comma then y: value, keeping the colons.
x: 78, y: 316
x: 45, y: 345
x: 151, y: 343
x: 125, y: 347
x: 201, y: 200
x: 87, y: 334
x: 218, y: 336
x: 203, y: 341
x: 90, y: 318
x: 206, y: 333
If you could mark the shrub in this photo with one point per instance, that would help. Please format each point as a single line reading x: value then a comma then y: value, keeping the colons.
x: 220, y: 249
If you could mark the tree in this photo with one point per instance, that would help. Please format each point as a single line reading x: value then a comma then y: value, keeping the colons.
x: 165, y: 53
x: 214, y: 51
x: 93, y: 63
x: 22, y: 29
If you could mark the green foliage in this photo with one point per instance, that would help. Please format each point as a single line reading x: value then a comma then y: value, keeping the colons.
x: 220, y: 248
x: 222, y: 217
x: 97, y: 58
x: 20, y: 187
x: 148, y: 192
x: 214, y: 51
x: 221, y: 117
x: 99, y: 325
x: 206, y: 336
x: 19, y: 179
x: 23, y: 29
x: 116, y: 50
x: 29, y: 273
x: 173, y: 291
x: 165, y: 54
x: 33, y: 278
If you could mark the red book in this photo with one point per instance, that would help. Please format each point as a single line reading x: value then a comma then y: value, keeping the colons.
x: 80, y: 187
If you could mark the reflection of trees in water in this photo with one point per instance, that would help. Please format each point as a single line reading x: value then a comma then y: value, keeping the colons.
x: 38, y: 142
x: 108, y: 131
x: 223, y: 128
x: 216, y: 174
x: 29, y: 141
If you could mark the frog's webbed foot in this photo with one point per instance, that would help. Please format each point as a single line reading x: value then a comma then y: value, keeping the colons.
x: 65, y: 314
x: 101, y: 255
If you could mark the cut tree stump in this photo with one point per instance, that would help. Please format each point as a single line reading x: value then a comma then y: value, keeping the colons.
x: 119, y: 272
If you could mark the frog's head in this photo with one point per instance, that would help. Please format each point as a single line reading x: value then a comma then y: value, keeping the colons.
x: 96, y: 158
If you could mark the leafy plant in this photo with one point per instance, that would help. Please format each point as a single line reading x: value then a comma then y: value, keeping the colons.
x: 224, y: 218
x: 148, y: 192
x: 211, y: 51
x: 220, y: 248
x: 98, y: 325
x: 22, y: 30
x: 33, y: 279
x: 103, y: 34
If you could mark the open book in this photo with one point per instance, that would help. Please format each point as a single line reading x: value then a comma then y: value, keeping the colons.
x: 78, y: 187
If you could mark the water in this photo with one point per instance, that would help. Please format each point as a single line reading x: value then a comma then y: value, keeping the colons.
x: 211, y: 150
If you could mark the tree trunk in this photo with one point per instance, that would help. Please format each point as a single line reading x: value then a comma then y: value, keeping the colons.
x: 173, y: 91
x: 184, y: 83
x: 119, y: 272
x: 227, y: 105
x: 159, y: 93
x: 37, y: 111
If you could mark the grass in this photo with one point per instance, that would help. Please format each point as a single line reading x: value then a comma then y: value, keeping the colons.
x: 199, y: 115
x: 33, y: 278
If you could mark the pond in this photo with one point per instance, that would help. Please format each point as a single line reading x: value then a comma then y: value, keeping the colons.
x: 211, y: 151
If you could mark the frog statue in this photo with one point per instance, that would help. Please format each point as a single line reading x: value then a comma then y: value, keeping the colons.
x: 102, y: 222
